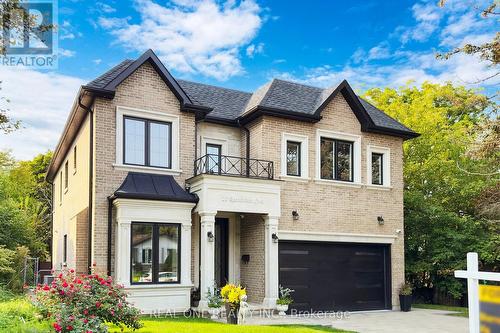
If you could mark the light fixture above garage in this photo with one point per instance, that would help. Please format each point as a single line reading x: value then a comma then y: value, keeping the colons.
x: 295, y: 215
x: 380, y: 220
x: 275, y: 238
x: 210, y: 236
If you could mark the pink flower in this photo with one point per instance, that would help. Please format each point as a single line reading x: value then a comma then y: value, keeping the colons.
x: 46, y: 287
x: 69, y: 328
x: 97, y: 304
x: 65, y: 284
x: 57, y: 327
x: 72, y: 270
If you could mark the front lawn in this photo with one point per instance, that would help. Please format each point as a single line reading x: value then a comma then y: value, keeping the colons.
x: 460, y: 311
x: 200, y: 325
x: 17, y: 314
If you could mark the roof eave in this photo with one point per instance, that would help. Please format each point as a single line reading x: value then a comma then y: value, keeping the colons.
x: 260, y: 110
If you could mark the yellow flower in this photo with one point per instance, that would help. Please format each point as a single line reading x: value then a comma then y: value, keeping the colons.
x: 232, y: 294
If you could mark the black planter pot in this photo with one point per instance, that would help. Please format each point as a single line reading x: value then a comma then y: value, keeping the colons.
x: 232, y: 314
x: 405, y: 302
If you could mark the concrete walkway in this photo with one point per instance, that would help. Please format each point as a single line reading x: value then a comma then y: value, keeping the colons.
x: 415, y: 321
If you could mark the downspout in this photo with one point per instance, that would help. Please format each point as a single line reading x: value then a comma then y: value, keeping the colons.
x: 110, y: 232
x: 51, y: 220
x: 91, y: 177
x: 247, y: 131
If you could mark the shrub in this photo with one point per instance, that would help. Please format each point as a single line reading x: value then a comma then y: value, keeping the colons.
x: 406, y: 289
x: 85, y: 303
x: 214, y: 298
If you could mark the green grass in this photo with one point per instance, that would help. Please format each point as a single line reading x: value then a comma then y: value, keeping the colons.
x: 459, y: 311
x: 200, y: 325
x: 17, y: 314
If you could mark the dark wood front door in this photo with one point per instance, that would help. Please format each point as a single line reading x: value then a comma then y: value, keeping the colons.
x: 221, y: 251
x: 336, y: 276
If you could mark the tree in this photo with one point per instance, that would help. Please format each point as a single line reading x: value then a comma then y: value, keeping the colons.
x: 446, y: 171
x: 489, y: 51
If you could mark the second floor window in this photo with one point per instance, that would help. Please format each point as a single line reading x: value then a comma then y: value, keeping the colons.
x: 147, y: 142
x: 66, y: 173
x: 293, y: 158
x: 377, y: 169
x: 337, y: 160
x: 213, y: 158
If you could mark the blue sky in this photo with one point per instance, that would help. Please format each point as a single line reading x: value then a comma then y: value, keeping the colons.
x: 243, y: 44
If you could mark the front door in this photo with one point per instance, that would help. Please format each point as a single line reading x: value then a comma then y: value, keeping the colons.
x: 221, y: 251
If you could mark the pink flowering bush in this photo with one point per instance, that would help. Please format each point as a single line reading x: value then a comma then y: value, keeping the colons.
x: 85, y: 303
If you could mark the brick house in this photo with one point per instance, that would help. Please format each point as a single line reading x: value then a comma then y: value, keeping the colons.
x: 170, y: 185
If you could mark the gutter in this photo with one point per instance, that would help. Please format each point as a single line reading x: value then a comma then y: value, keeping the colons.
x: 110, y: 232
x: 91, y: 178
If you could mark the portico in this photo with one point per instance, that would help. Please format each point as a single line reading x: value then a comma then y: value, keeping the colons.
x: 244, y: 204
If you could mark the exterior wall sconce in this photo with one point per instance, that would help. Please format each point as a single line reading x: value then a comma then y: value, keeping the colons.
x: 210, y: 236
x: 275, y: 238
x: 380, y: 220
x: 295, y: 215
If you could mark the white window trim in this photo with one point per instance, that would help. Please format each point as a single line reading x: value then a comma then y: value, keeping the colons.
x: 213, y: 141
x: 304, y: 156
x: 356, y: 139
x: 122, y: 111
x: 386, y: 166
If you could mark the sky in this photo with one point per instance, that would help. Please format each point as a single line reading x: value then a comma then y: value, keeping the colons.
x: 242, y: 45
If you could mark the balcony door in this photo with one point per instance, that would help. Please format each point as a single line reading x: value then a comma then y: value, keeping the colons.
x: 213, y: 158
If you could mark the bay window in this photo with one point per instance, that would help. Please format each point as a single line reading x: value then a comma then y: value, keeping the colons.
x: 336, y: 159
x: 147, y: 142
x: 155, y: 253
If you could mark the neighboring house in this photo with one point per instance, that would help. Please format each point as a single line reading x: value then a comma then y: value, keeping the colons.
x: 168, y: 185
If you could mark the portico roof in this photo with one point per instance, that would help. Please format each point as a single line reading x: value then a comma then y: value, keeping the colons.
x: 153, y: 187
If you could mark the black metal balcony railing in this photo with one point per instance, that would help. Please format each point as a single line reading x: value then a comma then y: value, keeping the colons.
x: 233, y: 166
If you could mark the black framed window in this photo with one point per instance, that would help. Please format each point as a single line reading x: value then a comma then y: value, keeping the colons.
x: 337, y: 159
x: 65, y: 248
x: 147, y: 142
x: 66, y: 175
x: 74, y: 159
x: 155, y: 253
x: 293, y: 158
x: 214, y: 153
x: 377, y: 169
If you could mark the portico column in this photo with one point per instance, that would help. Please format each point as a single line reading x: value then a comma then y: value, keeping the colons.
x: 122, y: 252
x: 271, y: 262
x: 207, y: 257
x: 186, y: 254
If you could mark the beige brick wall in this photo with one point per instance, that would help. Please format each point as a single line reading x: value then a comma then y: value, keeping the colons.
x: 144, y: 89
x: 252, y: 242
x: 70, y: 202
x: 82, y: 242
x: 331, y: 208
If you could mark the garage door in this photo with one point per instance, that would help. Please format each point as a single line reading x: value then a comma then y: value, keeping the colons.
x: 336, y: 276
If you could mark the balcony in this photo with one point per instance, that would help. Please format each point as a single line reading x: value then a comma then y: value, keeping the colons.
x: 222, y: 165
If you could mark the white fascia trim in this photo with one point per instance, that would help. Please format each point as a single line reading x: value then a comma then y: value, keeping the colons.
x: 386, y: 166
x: 304, y: 156
x: 356, y: 139
x: 335, y: 237
x: 122, y: 111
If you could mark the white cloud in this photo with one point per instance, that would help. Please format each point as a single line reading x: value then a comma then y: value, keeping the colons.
x: 67, y: 36
x: 427, y: 16
x: 97, y: 61
x: 380, y: 51
x: 253, y: 49
x: 105, y: 8
x: 191, y: 36
x: 66, y: 53
x: 42, y: 101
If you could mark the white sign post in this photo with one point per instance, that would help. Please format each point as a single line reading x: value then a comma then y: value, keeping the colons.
x: 473, y: 276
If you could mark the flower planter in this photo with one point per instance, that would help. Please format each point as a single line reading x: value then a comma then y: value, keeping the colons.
x: 405, y: 302
x: 232, y: 314
x: 282, y: 308
x: 214, y: 313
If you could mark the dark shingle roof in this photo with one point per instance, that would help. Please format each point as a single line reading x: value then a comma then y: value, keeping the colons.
x: 102, y: 81
x: 153, y: 187
x: 292, y: 96
x: 226, y: 103
x: 230, y: 105
x: 381, y: 119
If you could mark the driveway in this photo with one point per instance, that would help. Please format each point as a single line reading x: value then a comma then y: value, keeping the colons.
x: 415, y: 321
